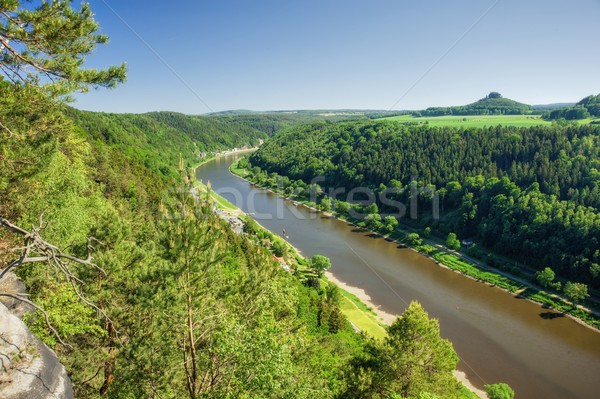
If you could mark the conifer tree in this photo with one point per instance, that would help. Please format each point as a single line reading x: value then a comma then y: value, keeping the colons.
x: 43, y: 44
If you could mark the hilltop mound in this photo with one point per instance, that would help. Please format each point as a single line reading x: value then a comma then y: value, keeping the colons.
x: 492, y: 104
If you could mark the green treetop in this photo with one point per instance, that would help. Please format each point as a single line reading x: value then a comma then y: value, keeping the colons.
x: 44, y: 44
x: 320, y: 264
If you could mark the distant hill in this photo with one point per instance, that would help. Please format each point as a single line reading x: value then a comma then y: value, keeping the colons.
x: 233, y: 112
x: 588, y: 107
x: 550, y: 107
x: 315, y: 114
x: 492, y: 104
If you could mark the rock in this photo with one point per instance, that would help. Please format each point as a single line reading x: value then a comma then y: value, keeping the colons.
x: 28, y: 368
x: 11, y: 284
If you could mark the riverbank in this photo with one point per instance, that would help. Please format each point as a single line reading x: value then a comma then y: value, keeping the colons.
x: 216, y: 155
x: 383, y: 316
x: 203, y: 187
x: 388, y: 319
x: 464, y: 265
x: 362, y: 313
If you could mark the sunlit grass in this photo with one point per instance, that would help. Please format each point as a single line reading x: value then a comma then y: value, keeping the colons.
x: 476, y: 120
x: 360, y: 315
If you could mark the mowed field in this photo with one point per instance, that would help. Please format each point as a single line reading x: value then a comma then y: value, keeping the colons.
x: 476, y: 120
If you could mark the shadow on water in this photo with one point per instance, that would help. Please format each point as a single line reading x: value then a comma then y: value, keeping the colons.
x: 551, y: 315
x: 373, y: 235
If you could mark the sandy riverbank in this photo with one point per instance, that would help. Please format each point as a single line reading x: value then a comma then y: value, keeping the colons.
x: 389, y: 318
x: 382, y: 315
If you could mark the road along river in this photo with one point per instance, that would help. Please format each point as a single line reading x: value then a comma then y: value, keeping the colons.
x: 499, y: 337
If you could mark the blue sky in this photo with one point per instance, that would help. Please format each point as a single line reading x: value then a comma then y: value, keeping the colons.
x: 201, y: 56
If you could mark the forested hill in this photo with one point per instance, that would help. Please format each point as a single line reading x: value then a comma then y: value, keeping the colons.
x: 529, y: 193
x: 492, y: 104
x: 588, y: 107
x: 174, y: 285
x: 157, y: 139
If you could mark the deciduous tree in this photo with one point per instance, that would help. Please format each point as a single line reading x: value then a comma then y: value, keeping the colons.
x: 499, y: 391
x: 576, y: 292
x: 320, y: 264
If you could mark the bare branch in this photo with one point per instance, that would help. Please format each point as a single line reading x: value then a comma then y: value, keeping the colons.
x: 36, y: 249
x: 92, y: 377
x: 27, y: 301
x: 11, y: 133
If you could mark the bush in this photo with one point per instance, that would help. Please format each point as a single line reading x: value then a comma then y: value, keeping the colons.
x: 499, y: 391
x: 452, y: 242
x: 414, y: 239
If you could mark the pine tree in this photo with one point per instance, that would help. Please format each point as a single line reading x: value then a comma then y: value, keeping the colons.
x: 43, y: 44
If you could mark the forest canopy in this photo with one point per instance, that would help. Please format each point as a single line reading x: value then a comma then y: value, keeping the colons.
x: 532, y: 194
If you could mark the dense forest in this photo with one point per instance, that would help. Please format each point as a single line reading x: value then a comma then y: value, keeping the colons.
x: 492, y: 104
x: 157, y: 139
x: 140, y: 289
x: 532, y: 194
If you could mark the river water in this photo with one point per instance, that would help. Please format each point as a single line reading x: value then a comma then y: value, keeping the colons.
x: 499, y: 337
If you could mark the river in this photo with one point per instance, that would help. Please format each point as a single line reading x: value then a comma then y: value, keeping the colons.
x: 499, y: 337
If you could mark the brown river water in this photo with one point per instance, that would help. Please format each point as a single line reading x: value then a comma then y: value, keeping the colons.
x: 499, y: 337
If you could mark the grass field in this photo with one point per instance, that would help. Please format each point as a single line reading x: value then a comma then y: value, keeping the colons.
x: 475, y: 120
x: 219, y: 200
x: 361, y: 316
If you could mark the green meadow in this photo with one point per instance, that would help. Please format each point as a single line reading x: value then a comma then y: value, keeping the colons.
x: 474, y: 120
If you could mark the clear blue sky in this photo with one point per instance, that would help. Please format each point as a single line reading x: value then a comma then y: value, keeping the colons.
x: 274, y: 55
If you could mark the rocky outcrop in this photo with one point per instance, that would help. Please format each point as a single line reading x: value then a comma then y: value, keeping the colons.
x: 11, y: 284
x: 28, y: 368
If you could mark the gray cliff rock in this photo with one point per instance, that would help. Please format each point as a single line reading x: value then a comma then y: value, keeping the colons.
x: 28, y: 368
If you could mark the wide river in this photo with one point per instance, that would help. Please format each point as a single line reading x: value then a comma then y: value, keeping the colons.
x: 499, y: 337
